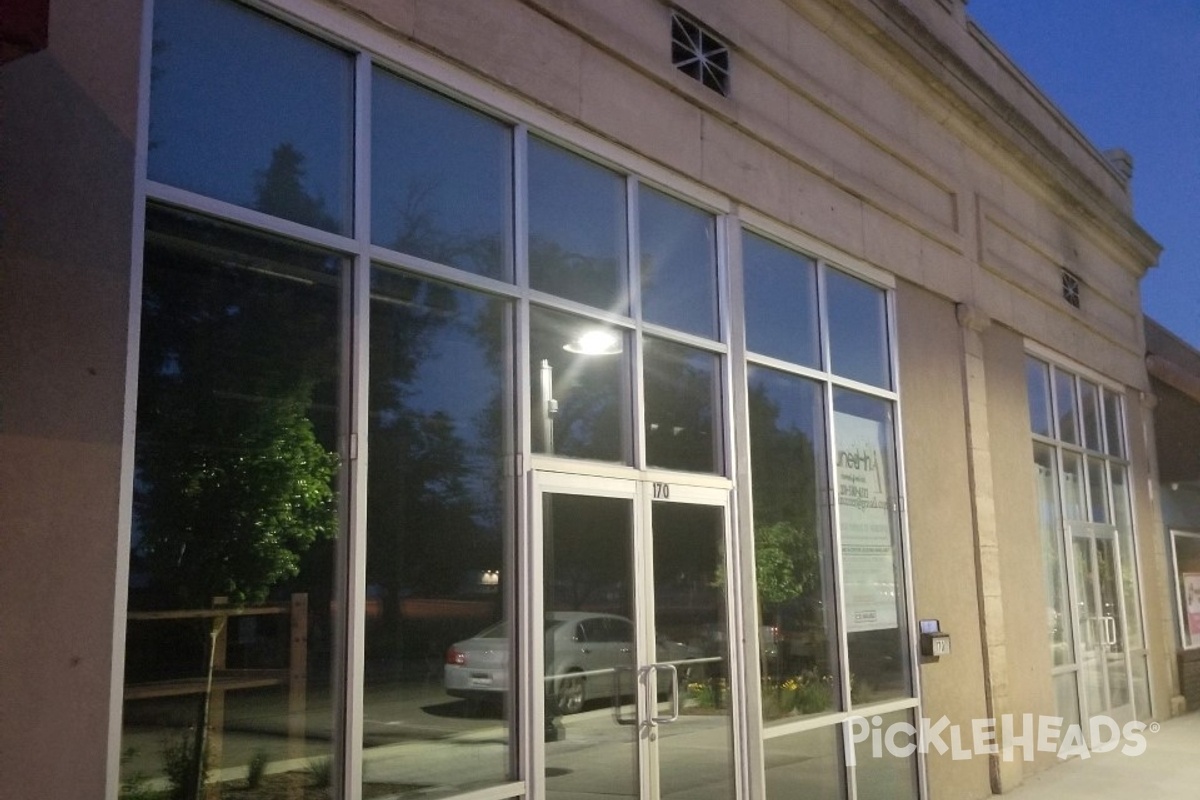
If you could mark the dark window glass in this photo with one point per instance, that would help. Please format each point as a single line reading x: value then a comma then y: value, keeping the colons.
x: 679, y: 264
x: 682, y: 402
x: 441, y: 179
x: 807, y: 764
x: 438, y: 519
x: 872, y: 586
x: 1067, y: 405
x: 892, y: 775
x: 578, y: 391
x: 781, y: 302
x: 792, y: 547
x: 858, y: 338
x: 251, y: 111
x: 1037, y: 385
x: 1089, y: 402
x: 229, y: 631
x: 1113, y: 424
x: 577, y: 240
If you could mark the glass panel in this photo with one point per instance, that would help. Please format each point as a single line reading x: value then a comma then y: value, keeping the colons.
x: 870, y: 549
x: 1089, y: 402
x: 578, y: 393
x: 588, y: 586
x: 250, y: 111
x: 695, y: 755
x: 1066, y: 698
x: 1058, y: 613
x: 1110, y: 612
x: 437, y: 523
x: 577, y: 222
x: 1073, y: 505
x: 679, y: 264
x: 1113, y: 424
x: 1187, y: 553
x: 793, y: 562
x: 1097, y: 489
x: 1037, y: 385
x: 441, y: 179
x: 1092, y: 630
x: 1123, y: 519
x: 858, y: 339
x: 882, y: 769
x: 1068, y: 410
x: 682, y: 398
x: 807, y: 765
x: 780, y: 288
x: 230, y: 637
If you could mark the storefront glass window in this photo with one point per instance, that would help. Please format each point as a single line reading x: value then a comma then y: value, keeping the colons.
x: 577, y: 229
x: 236, y: 507
x: 793, y: 562
x: 1037, y: 381
x: 1068, y: 409
x: 439, y: 516
x: 678, y: 244
x: 578, y: 379
x: 1058, y: 612
x: 781, y: 302
x: 858, y: 336
x: 682, y: 402
x: 253, y: 112
x: 1187, y: 562
x: 441, y: 179
x: 869, y: 532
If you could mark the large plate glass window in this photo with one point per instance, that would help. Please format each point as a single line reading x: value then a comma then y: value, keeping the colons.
x: 858, y: 329
x: 236, y: 505
x: 250, y: 111
x: 799, y: 672
x: 678, y: 267
x: 441, y: 179
x: 439, y: 517
x: 833, y: 635
x: 869, y: 531
x: 577, y: 228
x: 1081, y: 475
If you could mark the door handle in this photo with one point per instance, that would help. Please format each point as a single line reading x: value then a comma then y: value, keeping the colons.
x: 1110, y: 625
x: 674, y: 715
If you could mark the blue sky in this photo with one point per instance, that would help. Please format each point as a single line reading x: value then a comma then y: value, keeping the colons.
x: 1127, y: 73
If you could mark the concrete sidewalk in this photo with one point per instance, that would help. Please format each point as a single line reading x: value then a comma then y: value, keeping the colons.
x: 1170, y: 768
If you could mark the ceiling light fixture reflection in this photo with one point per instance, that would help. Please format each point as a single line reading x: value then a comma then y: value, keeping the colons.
x: 595, y: 342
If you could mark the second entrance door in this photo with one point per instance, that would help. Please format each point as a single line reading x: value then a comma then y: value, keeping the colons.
x: 634, y: 600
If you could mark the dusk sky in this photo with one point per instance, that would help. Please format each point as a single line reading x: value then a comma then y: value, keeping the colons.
x: 1127, y: 73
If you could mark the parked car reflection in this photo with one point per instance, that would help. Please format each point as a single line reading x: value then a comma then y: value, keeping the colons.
x: 583, y: 651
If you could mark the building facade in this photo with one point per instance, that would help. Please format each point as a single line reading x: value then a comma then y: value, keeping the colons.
x: 354, y: 442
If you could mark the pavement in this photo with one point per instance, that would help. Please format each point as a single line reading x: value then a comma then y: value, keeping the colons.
x: 1168, y: 769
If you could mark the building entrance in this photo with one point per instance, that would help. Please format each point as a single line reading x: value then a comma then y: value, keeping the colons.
x: 1100, y: 627
x: 632, y: 667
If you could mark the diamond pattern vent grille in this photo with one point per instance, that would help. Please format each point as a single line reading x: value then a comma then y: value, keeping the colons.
x: 699, y: 53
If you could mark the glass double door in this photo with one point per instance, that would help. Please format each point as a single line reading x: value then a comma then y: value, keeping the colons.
x: 634, y: 674
x: 1100, y: 622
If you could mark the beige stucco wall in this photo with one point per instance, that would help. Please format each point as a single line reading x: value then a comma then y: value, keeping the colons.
x: 67, y: 125
x: 940, y: 525
x: 1029, y: 685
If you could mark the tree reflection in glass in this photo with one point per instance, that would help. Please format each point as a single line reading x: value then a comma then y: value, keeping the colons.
x: 438, y: 518
x: 791, y: 544
x: 234, y: 496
